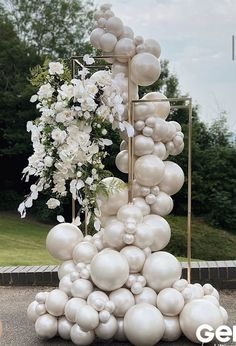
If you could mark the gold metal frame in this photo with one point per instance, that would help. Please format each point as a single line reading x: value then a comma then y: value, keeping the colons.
x: 76, y: 60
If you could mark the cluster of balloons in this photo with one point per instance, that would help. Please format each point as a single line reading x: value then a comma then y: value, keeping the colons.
x: 119, y: 283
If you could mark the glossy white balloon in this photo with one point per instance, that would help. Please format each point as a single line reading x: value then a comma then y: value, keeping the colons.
x: 107, y: 42
x: 64, y: 328
x: 163, y: 204
x: 129, y: 211
x: 170, y: 301
x: 135, y: 257
x: 172, y: 328
x: 31, y: 311
x: 162, y: 108
x: 145, y: 69
x: 125, y: 46
x: 148, y: 295
x: 107, y: 330
x: 173, y: 178
x: 71, y: 308
x: 46, y: 326
x: 115, y: 26
x: 84, y: 252
x: 95, y: 36
x: 161, y: 231
x: 65, y: 284
x: 143, y: 145
x: 122, y: 161
x: 142, y: 111
x: 120, y: 333
x: 149, y: 170
x: 159, y: 150
x: 66, y: 268
x: 81, y: 288
x: 142, y: 205
x: 81, y: 338
x: 123, y: 300
x: 144, y: 236
x: 56, y: 301
x: 87, y: 318
x: 113, y: 234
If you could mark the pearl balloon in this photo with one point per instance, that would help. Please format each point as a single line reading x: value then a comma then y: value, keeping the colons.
x: 98, y: 300
x: 215, y: 293
x: 143, y: 145
x: 128, y: 32
x: 153, y: 47
x: 31, y: 311
x: 172, y: 329
x: 84, y: 252
x: 129, y: 211
x: 62, y: 239
x: 113, y: 234
x: 41, y: 297
x: 122, y: 161
x: 87, y: 318
x: 115, y: 26
x: 64, y: 328
x: 107, y: 42
x: 71, y: 308
x: 135, y: 258
x: 125, y: 46
x: 196, y: 313
x: 161, y: 270
x: 81, y: 338
x: 107, y: 330
x: 81, y: 288
x: 65, y: 284
x: 116, y: 198
x: 149, y: 170
x: 170, y: 302
x: 46, y: 326
x: 147, y: 131
x: 120, y: 334
x: 123, y: 145
x: 109, y: 270
x: 159, y: 150
x: 95, y: 36
x: 142, y: 205
x: 123, y: 300
x: 148, y: 295
x: 160, y: 130
x: 144, y: 325
x: 161, y: 231
x: 142, y: 111
x: 118, y: 68
x: 144, y: 236
x: 163, y: 204
x: 55, y: 302
x: 41, y: 309
x: 137, y: 288
x: 145, y: 69
x: 162, y: 108
x: 212, y: 299
x: 173, y: 178
x: 66, y: 268
x: 180, y: 285
x: 104, y: 316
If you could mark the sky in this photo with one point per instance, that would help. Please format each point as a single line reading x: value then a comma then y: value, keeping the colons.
x: 196, y: 38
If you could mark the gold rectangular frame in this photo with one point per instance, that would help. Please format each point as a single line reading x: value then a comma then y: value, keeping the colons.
x: 75, y: 60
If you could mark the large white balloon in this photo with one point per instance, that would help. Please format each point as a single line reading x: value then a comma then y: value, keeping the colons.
x: 162, y: 108
x: 66, y: 268
x: 81, y: 338
x: 172, y: 328
x: 125, y: 46
x: 107, y: 42
x: 95, y: 36
x: 145, y: 69
x: 84, y: 252
x: 107, y: 330
x: 163, y: 204
x: 64, y: 328
x: 148, y: 295
x: 71, y: 308
x: 109, y: 270
x: 123, y: 300
x: 46, y: 326
x: 115, y: 26
x: 153, y: 47
x: 173, y: 178
x: 56, y: 301
x: 161, y: 231
x: 170, y: 301
x: 144, y: 325
x: 161, y: 270
x: 149, y: 170
x: 135, y: 258
x: 62, y: 239
x: 143, y: 145
x: 196, y: 313
x: 128, y: 32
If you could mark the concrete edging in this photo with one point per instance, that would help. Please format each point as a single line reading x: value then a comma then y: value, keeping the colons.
x: 221, y: 274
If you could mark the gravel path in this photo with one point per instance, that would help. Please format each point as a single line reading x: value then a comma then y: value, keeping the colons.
x: 18, y: 331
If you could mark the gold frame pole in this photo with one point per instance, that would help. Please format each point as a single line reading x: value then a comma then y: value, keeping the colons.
x: 130, y: 140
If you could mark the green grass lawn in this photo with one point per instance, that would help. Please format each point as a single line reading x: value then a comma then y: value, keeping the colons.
x: 22, y: 241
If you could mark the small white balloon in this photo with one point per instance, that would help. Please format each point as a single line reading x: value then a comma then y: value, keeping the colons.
x: 135, y: 258
x: 31, y: 311
x: 84, y: 252
x: 148, y: 295
x: 172, y: 329
x: 115, y: 26
x: 41, y: 297
x: 142, y: 111
x: 145, y: 69
x: 71, y: 308
x: 107, y: 330
x: 163, y: 204
x: 173, y: 178
x: 142, y: 205
x: 81, y: 338
x: 66, y: 268
x: 153, y: 47
x: 128, y: 32
x: 120, y: 334
x: 95, y: 36
x: 150, y: 199
x: 143, y: 145
x: 46, y: 326
x: 40, y: 309
x: 87, y: 318
x: 65, y: 284
x: 180, y: 285
x: 64, y: 328
x: 129, y: 211
x: 147, y: 131
x: 98, y: 298
x: 170, y: 302
x: 123, y: 299
x: 104, y: 316
x: 137, y: 288
x: 159, y: 150
x: 122, y: 161
x: 149, y: 170
x: 161, y: 231
x: 81, y: 288
x: 162, y: 108
x: 56, y: 301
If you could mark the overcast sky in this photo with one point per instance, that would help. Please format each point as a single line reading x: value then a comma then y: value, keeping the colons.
x: 196, y: 37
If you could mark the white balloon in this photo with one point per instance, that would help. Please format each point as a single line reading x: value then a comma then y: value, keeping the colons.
x: 196, y: 313
x: 147, y: 131
x: 135, y: 258
x: 163, y: 204
x: 46, y: 326
x: 145, y: 69
x: 142, y: 205
x: 41, y: 309
x: 120, y: 334
x: 56, y: 301
x: 162, y: 108
x: 224, y: 314
x: 161, y: 231
x: 172, y: 328
x: 123, y: 300
x: 149, y: 170
x: 125, y: 46
x: 180, y: 285
x: 84, y: 252
x: 104, y: 316
x: 129, y: 211
x: 98, y: 300
x: 160, y: 130
x: 142, y: 111
x: 153, y: 47
x: 215, y: 293
x: 118, y: 68
x: 159, y: 150
x: 212, y: 299
x: 144, y: 325
x: 107, y: 330
x: 109, y: 270
x: 65, y: 284
x: 148, y: 295
x: 81, y: 338
x: 113, y: 234
x: 62, y: 239
x: 71, y: 308
x: 128, y: 32
x: 95, y: 36
x: 64, y: 328
x: 115, y: 26
x: 143, y: 145
x: 81, y: 288
x: 41, y: 297
x: 144, y: 236
x: 66, y: 268
x: 173, y: 178
x: 87, y: 318
x: 161, y: 270
x: 107, y: 42
x: 170, y: 302
x: 31, y: 311
x: 122, y: 161
x: 123, y: 145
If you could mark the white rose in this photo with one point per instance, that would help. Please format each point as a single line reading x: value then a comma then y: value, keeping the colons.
x: 58, y: 135
x: 55, y: 68
x: 89, y: 181
x: 48, y: 161
x: 53, y: 203
x: 45, y: 91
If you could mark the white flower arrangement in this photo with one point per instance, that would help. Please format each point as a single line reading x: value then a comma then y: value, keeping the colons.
x: 68, y: 137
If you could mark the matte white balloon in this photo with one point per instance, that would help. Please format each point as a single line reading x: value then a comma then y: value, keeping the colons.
x: 107, y: 330
x: 56, y: 301
x: 142, y: 205
x: 81, y: 288
x: 84, y: 252
x: 173, y: 178
x: 95, y: 36
x: 66, y: 268
x: 135, y: 258
x: 163, y: 204
x: 161, y: 231
x: 143, y: 145
x: 129, y: 211
x: 170, y: 302
x: 161, y: 270
x: 64, y: 328
x: 109, y: 270
x: 81, y: 338
x: 31, y: 311
x: 62, y: 239
x: 113, y: 234
x: 125, y: 46
x: 123, y: 300
x: 172, y: 328
x: 122, y: 161
x: 107, y: 42
x: 159, y: 150
x: 65, y: 284
x: 162, y: 108
x: 120, y: 333
x: 87, y: 318
x: 149, y: 170
x: 71, y: 308
x: 115, y: 26
x: 148, y: 295
x: 46, y: 326
x: 144, y: 325
x: 145, y: 69
x: 196, y: 313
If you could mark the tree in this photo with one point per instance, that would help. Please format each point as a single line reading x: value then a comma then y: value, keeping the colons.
x: 55, y: 28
